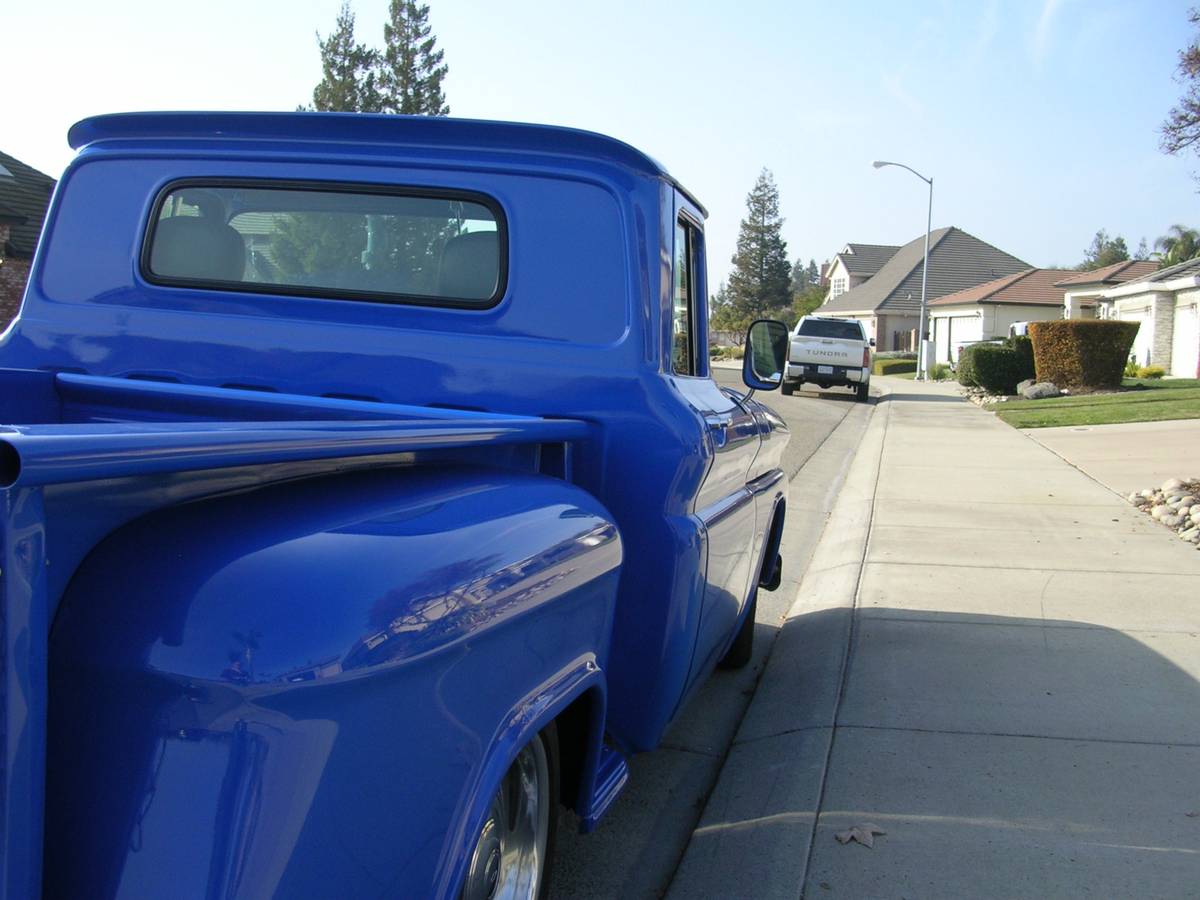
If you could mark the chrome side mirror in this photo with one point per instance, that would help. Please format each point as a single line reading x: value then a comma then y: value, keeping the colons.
x: 766, y: 354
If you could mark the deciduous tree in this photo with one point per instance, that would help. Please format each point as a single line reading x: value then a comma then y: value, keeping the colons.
x: 1104, y: 251
x: 1181, y: 130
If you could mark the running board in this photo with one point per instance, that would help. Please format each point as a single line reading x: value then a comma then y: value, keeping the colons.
x: 611, y: 774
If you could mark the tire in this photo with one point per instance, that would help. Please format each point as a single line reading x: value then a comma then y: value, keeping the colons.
x: 787, y: 387
x: 523, y: 872
x: 742, y: 648
x: 863, y: 392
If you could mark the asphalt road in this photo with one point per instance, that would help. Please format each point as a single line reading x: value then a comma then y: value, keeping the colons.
x: 636, y: 849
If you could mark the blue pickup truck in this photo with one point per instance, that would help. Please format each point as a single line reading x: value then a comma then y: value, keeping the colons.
x: 366, y: 497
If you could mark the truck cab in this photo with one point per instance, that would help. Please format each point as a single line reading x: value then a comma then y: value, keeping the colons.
x: 360, y: 472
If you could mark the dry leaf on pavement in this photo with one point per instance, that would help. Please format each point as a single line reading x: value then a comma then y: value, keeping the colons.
x: 864, y: 834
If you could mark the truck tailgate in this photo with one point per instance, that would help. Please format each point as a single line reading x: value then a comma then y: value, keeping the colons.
x: 826, y: 351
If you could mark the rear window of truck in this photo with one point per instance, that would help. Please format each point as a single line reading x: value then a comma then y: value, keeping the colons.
x: 831, y: 328
x: 349, y: 243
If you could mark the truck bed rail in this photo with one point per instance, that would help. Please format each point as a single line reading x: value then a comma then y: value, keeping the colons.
x: 54, y: 454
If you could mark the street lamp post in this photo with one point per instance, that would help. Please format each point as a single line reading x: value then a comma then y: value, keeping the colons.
x: 922, y: 363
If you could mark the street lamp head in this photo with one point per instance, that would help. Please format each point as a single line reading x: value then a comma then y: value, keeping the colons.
x: 879, y: 164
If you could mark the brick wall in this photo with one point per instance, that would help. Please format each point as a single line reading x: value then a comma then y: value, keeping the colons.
x: 13, y: 274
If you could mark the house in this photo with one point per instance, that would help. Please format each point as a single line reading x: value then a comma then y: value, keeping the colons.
x: 889, y: 303
x: 854, y: 265
x: 1165, y: 304
x: 1082, y: 290
x: 987, y: 310
x: 24, y: 196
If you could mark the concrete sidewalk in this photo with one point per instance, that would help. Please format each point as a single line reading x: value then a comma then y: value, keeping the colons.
x: 992, y: 658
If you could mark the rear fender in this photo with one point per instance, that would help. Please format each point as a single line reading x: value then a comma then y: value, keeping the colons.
x: 313, y: 687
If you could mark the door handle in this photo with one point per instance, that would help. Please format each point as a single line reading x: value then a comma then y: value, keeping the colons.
x: 719, y: 429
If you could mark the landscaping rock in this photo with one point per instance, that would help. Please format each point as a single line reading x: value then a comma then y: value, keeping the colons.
x: 1040, y: 391
x: 1027, y: 383
x: 1176, y: 505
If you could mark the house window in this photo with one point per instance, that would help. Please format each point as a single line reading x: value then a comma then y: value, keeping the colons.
x: 838, y: 286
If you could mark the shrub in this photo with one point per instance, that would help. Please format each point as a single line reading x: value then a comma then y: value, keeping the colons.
x: 1024, y: 347
x: 1132, y: 368
x: 1151, y: 372
x: 896, y: 354
x: 996, y: 368
x: 893, y: 366
x: 1082, y: 353
x: 965, y: 370
x: 939, y: 371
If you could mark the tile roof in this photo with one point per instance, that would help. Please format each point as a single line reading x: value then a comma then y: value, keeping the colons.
x: 866, y: 259
x: 1117, y: 273
x: 1039, y: 286
x: 24, y: 197
x: 957, y: 260
x: 1179, y: 270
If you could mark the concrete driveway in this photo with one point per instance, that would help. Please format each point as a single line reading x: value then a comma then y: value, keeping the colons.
x: 1129, y: 457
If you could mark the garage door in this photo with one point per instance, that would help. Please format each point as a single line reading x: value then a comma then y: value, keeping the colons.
x: 964, y: 330
x: 941, y: 340
x: 1185, y: 342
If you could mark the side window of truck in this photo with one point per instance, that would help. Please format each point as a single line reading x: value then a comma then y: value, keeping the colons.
x: 683, y: 303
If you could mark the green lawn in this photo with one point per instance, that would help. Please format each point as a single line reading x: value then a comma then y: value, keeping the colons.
x: 1151, y: 400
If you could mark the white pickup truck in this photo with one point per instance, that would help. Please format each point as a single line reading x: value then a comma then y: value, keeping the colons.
x: 828, y: 351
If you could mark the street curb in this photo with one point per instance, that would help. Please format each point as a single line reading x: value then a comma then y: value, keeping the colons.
x: 755, y: 834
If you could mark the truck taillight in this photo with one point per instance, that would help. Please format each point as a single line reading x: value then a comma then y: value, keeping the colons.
x: 866, y: 356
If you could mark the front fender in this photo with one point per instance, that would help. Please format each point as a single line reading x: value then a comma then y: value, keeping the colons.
x: 296, y: 691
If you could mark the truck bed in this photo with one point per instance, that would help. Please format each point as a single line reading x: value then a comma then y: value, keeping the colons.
x: 82, y: 455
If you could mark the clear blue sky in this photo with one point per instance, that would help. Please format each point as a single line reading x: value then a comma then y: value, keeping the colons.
x: 1037, y: 118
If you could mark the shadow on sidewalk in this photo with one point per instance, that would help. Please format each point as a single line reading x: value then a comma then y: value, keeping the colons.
x: 1004, y: 757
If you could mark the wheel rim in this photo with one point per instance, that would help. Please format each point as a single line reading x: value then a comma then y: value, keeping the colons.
x: 510, y: 849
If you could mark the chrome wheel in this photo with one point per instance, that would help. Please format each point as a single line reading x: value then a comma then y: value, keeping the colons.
x: 510, y: 851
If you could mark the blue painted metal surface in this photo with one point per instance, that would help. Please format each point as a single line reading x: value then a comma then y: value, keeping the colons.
x: 172, y: 396
x: 313, y: 660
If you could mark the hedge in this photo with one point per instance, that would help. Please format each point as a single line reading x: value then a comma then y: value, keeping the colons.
x: 1082, y: 353
x: 1024, y: 346
x: 893, y: 366
x: 996, y: 368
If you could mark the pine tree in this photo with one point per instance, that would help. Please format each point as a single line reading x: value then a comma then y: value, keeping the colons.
x: 347, y: 70
x: 411, y: 69
x: 761, y: 280
x: 813, y: 273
